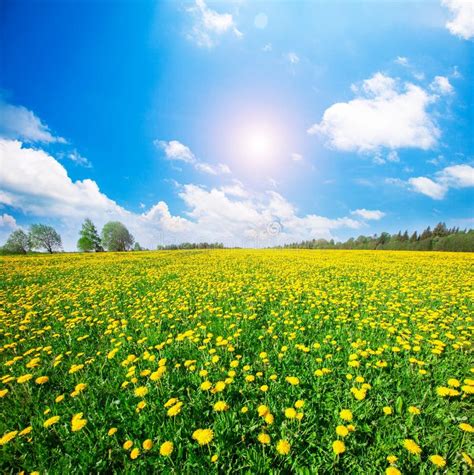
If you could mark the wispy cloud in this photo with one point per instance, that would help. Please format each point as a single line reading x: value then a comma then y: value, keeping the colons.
x: 17, y: 122
x: 209, y: 25
x: 175, y: 150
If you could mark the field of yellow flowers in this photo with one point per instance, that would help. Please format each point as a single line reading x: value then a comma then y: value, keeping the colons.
x: 237, y: 361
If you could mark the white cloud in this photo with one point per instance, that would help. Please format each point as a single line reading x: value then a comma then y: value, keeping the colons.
x: 219, y: 169
x: 17, y: 122
x: 455, y: 176
x: 266, y: 217
x: 296, y: 157
x: 268, y: 47
x: 462, y: 22
x: 209, y: 25
x: 77, y: 158
x: 393, y: 157
x: 7, y: 221
x: 402, y: 61
x: 175, y: 150
x: 441, y: 85
x: 292, y: 57
x: 383, y: 115
x: 369, y: 214
x: 428, y: 187
x: 33, y: 182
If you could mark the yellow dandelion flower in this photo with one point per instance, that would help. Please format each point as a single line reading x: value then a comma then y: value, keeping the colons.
x: 412, y: 446
x: 23, y: 379
x: 269, y: 419
x: 25, y: 431
x: 147, y: 444
x: 77, y: 422
x: 142, y: 391
x: 264, y: 438
x: 203, y: 436
x: 290, y: 413
x: 283, y: 447
x: 437, y: 460
x: 41, y: 380
x: 51, y: 421
x: 7, y: 437
x: 392, y: 471
x: 299, y: 404
x: 293, y: 380
x: 127, y: 445
x: 346, y: 415
x: 220, y: 406
x: 338, y: 447
x: 466, y: 427
x: 175, y: 410
x: 466, y: 457
x: 112, y: 431
x: 166, y: 448
x: 342, y: 431
x: 135, y: 453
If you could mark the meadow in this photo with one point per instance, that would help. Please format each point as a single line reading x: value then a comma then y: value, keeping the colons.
x: 229, y: 361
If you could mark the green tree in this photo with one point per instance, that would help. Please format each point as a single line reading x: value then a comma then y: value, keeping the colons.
x: 44, y: 237
x: 116, y: 237
x: 17, y: 243
x: 89, y: 239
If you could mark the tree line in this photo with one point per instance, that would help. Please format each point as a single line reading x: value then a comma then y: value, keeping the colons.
x: 115, y: 237
x: 40, y: 237
x: 440, y: 238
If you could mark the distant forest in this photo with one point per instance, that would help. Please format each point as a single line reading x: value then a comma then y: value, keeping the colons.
x: 440, y: 238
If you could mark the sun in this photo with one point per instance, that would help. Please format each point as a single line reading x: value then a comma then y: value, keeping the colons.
x: 258, y: 144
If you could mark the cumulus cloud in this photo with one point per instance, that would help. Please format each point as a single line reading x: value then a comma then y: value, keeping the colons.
x: 455, y: 176
x: 17, y: 122
x: 35, y: 183
x: 175, y: 150
x: 369, y: 214
x: 385, y: 114
x: 7, y: 221
x: 441, y: 85
x: 265, y: 217
x: 209, y: 25
x: 462, y: 21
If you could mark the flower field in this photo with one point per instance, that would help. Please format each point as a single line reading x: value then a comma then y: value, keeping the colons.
x: 237, y: 361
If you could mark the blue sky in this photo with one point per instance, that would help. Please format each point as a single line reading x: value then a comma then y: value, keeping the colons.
x: 252, y: 123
